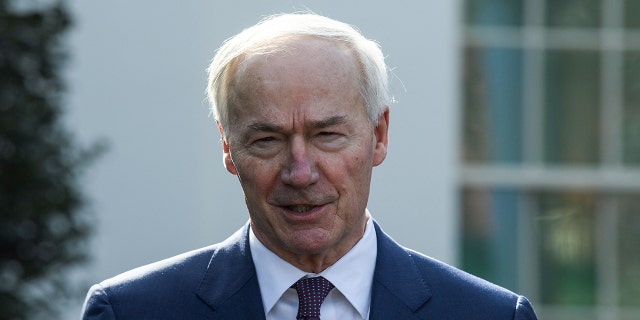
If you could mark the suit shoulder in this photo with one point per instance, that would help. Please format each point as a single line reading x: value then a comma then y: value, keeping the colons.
x: 469, y: 297
x: 461, y: 284
x: 147, y: 291
x: 164, y: 270
x: 186, y: 266
x: 166, y: 289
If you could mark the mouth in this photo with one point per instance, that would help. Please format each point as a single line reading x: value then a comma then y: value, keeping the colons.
x: 300, y: 208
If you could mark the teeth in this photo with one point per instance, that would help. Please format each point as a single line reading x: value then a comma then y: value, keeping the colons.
x: 300, y: 208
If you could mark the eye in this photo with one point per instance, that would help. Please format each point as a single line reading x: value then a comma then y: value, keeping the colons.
x: 264, y: 142
x: 330, y: 140
x: 265, y: 139
x: 327, y: 136
x: 264, y: 146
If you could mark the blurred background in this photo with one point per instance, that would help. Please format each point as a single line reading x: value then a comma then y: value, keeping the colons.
x: 514, y: 142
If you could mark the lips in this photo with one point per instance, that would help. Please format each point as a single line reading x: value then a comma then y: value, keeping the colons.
x: 303, y: 205
x: 303, y: 212
x: 300, y: 208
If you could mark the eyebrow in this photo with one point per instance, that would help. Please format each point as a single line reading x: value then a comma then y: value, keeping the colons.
x: 331, y: 121
x: 263, y: 126
x: 318, y: 124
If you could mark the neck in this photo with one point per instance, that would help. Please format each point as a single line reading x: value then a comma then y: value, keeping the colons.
x: 315, y: 262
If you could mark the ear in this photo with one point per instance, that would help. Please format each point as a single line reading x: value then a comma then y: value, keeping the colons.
x: 226, y: 154
x: 381, y: 132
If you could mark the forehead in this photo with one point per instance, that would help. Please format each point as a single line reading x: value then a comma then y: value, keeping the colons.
x: 296, y: 73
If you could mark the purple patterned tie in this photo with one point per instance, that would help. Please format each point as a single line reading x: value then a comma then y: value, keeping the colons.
x: 311, y: 294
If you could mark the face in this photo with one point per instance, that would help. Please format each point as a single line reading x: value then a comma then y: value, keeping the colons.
x: 303, y: 148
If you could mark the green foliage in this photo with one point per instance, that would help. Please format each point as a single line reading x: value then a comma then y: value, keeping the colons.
x: 42, y: 225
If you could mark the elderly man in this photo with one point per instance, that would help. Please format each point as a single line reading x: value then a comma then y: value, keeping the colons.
x: 301, y: 102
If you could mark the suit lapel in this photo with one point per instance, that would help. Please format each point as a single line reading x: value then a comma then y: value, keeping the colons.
x: 399, y: 290
x: 230, y: 285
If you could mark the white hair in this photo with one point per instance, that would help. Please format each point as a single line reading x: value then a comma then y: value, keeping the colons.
x: 261, y: 37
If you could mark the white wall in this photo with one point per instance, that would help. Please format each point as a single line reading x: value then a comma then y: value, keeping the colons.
x: 137, y: 79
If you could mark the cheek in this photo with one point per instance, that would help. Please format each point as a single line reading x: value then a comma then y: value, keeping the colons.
x: 360, y: 161
x: 256, y: 177
x: 351, y: 173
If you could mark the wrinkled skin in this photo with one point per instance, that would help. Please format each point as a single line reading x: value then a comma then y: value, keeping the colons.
x: 303, y: 149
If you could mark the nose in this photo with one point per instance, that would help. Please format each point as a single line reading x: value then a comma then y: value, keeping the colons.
x: 300, y: 170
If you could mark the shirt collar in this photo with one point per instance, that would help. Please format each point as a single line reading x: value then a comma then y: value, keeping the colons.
x: 352, y: 274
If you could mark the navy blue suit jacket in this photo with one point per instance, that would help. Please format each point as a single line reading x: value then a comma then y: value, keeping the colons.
x: 220, y: 282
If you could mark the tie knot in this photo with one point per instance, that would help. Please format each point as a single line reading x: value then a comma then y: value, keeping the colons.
x: 311, y: 294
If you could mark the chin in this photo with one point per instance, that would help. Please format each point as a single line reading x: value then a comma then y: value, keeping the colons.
x: 309, y: 244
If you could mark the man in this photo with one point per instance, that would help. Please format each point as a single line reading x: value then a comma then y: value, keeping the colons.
x: 301, y: 103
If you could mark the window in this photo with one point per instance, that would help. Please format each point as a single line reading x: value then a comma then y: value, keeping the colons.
x: 550, y: 168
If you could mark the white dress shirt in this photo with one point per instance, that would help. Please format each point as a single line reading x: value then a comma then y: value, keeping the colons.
x: 352, y: 277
